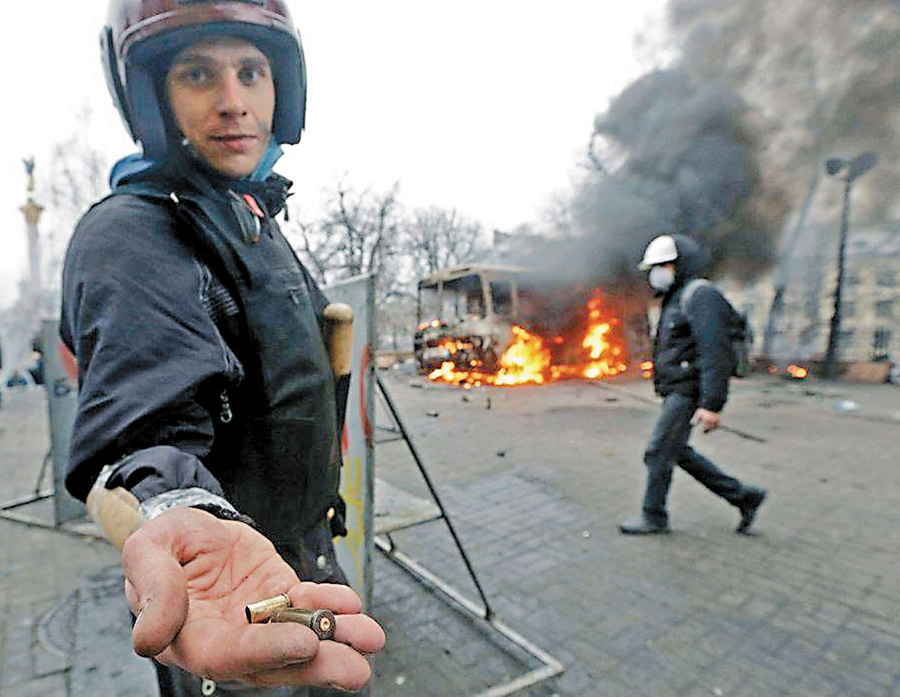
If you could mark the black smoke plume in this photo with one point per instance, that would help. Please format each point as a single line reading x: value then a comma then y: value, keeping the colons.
x: 670, y: 155
x: 728, y: 144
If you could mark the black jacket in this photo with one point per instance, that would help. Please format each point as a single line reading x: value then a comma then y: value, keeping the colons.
x: 200, y: 355
x: 691, y: 350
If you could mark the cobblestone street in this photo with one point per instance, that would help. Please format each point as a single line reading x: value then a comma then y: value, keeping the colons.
x: 534, y: 480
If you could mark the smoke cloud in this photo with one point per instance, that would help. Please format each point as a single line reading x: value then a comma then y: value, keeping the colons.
x: 820, y: 77
x: 728, y: 143
x: 671, y: 155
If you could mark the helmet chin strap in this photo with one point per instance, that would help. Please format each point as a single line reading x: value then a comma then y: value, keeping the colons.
x: 193, y: 154
x: 271, y: 155
x: 190, y: 149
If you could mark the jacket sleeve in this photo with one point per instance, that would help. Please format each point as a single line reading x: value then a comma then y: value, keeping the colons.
x: 150, y: 358
x: 707, y: 313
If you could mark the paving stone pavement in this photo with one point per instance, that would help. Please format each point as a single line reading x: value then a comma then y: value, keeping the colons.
x: 534, y: 480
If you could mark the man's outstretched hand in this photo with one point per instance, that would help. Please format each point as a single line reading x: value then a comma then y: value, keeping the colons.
x: 188, y: 578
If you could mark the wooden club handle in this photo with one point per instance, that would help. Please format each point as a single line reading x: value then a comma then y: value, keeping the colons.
x: 116, y: 511
x: 339, y: 337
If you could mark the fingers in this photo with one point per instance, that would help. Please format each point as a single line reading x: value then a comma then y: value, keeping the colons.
x: 335, y: 665
x: 131, y: 596
x: 332, y: 596
x: 709, y: 419
x: 272, y: 653
x: 252, y: 649
x: 157, y: 593
x: 359, y: 631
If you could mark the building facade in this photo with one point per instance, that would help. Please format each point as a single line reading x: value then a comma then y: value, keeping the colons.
x: 870, y: 306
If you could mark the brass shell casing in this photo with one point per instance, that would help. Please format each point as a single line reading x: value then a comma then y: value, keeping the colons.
x: 263, y: 610
x: 322, y: 622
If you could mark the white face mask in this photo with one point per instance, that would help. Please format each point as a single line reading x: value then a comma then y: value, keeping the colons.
x: 661, y: 278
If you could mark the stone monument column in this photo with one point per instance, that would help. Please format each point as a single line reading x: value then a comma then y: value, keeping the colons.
x: 32, y: 211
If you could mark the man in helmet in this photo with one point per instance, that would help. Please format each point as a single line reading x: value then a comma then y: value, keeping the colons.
x: 691, y: 370
x: 205, y: 391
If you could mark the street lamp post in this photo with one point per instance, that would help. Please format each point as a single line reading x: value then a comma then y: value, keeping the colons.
x: 851, y: 170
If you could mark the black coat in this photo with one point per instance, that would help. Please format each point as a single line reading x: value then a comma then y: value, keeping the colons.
x: 691, y: 350
x: 189, y: 395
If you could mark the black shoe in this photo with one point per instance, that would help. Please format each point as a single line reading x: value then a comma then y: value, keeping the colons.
x: 748, y: 507
x: 642, y: 526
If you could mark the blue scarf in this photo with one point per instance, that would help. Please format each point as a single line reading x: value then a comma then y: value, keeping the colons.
x: 133, y: 164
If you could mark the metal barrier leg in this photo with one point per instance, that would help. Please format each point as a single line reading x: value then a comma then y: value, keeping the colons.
x: 488, y: 612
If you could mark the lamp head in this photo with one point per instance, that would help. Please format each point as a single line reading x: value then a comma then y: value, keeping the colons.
x: 834, y: 165
x: 861, y: 164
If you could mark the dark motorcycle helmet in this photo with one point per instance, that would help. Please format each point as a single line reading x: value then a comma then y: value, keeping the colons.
x: 141, y: 37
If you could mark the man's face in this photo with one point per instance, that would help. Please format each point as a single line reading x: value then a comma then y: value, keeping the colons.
x: 222, y: 96
x: 662, y: 276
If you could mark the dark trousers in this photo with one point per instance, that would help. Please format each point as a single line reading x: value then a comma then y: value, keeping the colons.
x: 304, y: 558
x: 668, y: 446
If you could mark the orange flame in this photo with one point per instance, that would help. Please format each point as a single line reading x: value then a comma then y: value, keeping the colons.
x: 529, y: 360
x: 597, y: 345
x: 797, y: 372
x: 524, y: 361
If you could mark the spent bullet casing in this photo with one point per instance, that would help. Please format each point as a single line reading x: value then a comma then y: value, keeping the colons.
x: 322, y: 622
x: 262, y: 611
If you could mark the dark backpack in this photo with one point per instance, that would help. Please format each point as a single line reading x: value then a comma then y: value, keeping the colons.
x: 739, y: 331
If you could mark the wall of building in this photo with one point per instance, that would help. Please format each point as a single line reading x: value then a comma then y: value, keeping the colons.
x: 870, y: 314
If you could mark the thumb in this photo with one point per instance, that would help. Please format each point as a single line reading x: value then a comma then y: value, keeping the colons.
x: 157, y: 591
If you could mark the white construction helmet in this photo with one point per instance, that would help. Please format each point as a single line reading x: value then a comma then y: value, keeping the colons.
x: 661, y: 250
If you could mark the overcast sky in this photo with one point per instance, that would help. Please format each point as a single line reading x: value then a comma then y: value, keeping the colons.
x: 483, y: 106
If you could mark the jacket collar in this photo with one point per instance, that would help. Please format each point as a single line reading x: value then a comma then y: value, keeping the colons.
x: 271, y: 193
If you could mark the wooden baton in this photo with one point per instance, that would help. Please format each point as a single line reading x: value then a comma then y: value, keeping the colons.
x: 339, y: 337
x: 117, y: 512
x: 339, y: 342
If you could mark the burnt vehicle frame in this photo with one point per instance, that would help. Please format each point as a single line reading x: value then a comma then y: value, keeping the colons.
x: 466, y: 316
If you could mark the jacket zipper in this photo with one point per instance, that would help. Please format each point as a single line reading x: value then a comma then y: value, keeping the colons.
x: 225, y: 415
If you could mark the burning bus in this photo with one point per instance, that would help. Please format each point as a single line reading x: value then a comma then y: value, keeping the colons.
x: 465, y: 315
x: 497, y: 325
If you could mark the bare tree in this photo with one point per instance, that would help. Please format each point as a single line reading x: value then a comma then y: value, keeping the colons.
x: 437, y: 238
x: 359, y: 232
x: 365, y: 226
x: 76, y: 178
x: 77, y: 171
x: 318, y: 251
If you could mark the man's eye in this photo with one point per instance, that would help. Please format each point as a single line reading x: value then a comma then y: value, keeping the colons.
x: 196, y: 75
x: 252, y: 74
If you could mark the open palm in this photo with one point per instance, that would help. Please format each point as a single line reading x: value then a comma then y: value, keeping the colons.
x: 189, y: 576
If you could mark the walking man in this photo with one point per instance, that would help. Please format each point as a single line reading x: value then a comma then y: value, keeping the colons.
x: 692, y: 364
